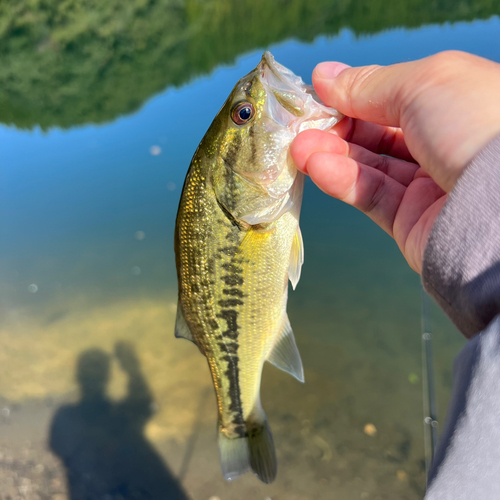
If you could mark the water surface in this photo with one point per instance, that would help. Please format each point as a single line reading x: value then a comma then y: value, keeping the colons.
x: 91, y: 173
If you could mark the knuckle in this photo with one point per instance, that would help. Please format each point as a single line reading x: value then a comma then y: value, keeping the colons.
x: 377, y: 195
x: 359, y: 80
x: 386, y: 142
x: 382, y: 163
x: 447, y: 63
x: 441, y: 69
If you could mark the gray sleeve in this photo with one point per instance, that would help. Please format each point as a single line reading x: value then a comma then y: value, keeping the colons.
x: 461, y: 270
x: 467, y: 462
x: 461, y: 267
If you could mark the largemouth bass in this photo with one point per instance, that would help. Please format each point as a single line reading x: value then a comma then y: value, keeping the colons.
x: 237, y: 243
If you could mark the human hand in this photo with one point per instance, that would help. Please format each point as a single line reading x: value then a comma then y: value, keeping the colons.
x: 431, y: 117
x: 126, y: 356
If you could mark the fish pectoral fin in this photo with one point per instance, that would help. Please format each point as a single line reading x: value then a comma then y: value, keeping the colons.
x: 296, y: 258
x: 181, y: 328
x: 285, y: 355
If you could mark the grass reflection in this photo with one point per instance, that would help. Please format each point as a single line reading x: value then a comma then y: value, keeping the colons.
x: 75, y: 62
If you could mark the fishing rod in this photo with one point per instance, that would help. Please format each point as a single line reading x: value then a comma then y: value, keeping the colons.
x: 429, y: 388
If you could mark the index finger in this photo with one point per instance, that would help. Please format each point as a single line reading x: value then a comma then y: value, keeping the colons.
x: 376, y: 138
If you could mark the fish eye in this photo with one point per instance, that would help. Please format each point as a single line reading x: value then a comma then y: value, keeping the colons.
x: 242, y: 113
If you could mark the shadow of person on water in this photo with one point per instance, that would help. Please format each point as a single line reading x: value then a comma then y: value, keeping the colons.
x: 102, y: 442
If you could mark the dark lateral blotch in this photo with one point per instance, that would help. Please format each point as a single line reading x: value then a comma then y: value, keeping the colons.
x: 231, y: 268
x: 230, y: 302
x: 233, y: 280
x: 229, y: 250
x: 233, y: 292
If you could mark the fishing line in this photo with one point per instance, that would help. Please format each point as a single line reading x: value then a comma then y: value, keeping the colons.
x: 429, y: 388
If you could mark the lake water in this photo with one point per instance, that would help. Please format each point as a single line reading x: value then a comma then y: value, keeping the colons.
x: 95, y: 393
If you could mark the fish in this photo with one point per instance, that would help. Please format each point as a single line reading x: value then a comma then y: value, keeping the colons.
x: 237, y: 244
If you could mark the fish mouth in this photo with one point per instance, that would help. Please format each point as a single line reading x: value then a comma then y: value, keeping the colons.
x: 283, y: 84
x: 281, y: 74
x: 269, y: 63
x: 293, y: 95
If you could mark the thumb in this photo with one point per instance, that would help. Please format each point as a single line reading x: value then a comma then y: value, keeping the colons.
x: 447, y: 105
x: 371, y: 93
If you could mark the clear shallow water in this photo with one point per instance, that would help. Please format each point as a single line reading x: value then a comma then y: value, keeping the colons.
x: 87, y: 218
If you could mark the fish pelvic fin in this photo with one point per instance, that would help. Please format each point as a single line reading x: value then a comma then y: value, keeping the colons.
x: 296, y: 258
x: 285, y: 354
x: 262, y: 453
x: 255, y: 452
x: 181, y: 328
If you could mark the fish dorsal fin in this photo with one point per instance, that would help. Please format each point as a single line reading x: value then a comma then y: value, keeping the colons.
x: 285, y: 355
x: 181, y: 329
x: 296, y: 258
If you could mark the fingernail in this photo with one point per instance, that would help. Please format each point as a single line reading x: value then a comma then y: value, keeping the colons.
x: 329, y: 70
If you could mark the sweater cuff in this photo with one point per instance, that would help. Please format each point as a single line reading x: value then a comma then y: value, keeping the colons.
x: 461, y: 267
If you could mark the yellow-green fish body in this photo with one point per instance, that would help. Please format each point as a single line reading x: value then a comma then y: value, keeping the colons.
x: 237, y: 243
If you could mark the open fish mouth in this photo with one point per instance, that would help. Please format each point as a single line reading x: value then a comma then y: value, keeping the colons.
x: 291, y: 102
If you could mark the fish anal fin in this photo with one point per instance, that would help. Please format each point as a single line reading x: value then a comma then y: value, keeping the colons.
x: 181, y: 328
x: 296, y: 258
x: 285, y: 354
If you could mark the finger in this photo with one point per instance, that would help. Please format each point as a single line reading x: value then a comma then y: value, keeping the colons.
x: 372, y: 93
x: 412, y: 227
x: 352, y: 91
x: 377, y: 138
x: 421, y: 98
x: 369, y: 190
x: 312, y: 141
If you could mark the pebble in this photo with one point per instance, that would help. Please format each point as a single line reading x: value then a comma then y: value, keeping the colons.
x: 402, y: 475
x: 370, y: 430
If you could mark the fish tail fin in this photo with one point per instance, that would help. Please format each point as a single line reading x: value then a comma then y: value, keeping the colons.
x: 234, y: 456
x: 255, y: 452
x: 262, y: 453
